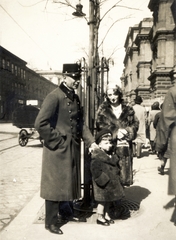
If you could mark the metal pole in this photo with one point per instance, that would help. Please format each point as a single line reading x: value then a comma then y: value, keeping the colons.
x: 90, y: 106
x: 91, y: 63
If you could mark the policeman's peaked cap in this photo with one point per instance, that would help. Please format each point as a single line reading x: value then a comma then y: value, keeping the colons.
x: 72, y: 70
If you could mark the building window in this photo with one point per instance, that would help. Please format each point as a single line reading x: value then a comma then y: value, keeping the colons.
x: 8, y: 65
x: 22, y: 73
x: 3, y: 63
x: 12, y: 68
x: 16, y: 73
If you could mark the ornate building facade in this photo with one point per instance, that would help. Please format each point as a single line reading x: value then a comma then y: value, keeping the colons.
x: 150, y: 59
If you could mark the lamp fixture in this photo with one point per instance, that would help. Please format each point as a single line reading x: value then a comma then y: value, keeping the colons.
x: 79, y: 12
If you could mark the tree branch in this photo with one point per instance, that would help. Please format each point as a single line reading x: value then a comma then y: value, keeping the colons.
x: 116, y: 5
x: 128, y: 16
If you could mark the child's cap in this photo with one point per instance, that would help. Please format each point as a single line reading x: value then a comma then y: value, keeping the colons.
x: 103, y: 134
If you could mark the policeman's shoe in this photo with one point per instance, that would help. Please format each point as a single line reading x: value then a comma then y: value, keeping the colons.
x: 54, y: 229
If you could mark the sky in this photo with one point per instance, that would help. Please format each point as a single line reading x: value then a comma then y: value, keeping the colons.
x: 46, y: 35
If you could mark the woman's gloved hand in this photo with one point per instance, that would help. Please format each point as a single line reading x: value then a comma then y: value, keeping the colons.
x: 121, y: 133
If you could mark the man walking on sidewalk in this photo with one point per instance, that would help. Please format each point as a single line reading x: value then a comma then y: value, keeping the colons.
x: 168, y: 133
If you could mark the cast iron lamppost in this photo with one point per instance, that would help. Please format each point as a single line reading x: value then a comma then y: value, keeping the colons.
x: 93, y: 65
x: 91, y: 88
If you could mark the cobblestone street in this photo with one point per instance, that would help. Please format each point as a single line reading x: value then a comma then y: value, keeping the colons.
x: 19, y: 176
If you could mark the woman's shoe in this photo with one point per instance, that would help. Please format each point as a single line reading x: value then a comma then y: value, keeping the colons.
x: 106, y: 223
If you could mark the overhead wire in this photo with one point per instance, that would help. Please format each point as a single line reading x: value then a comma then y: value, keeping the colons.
x: 24, y: 30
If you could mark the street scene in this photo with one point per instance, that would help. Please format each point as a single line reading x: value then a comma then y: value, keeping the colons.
x: 88, y: 119
x: 22, y: 209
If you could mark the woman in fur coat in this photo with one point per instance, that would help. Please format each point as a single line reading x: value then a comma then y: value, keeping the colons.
x: 123, y: 123
x: 105, y: 176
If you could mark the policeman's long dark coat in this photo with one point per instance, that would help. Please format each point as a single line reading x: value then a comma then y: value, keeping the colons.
x: 60, y: 123
x: 167, y: 125
x: 106, y: 177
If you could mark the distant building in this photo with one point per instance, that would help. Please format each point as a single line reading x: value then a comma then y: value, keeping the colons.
x: 163, y: 44
x: 150, y: 59
x: 137, y: 61
x: 19, y: 85
x: 52, y: 75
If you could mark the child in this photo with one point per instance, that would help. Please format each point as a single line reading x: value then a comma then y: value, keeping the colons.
x: 105, y: 176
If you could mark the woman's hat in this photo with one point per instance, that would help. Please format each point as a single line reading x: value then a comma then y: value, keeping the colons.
x: 103, y: 134
x: 138, y: 100
x: 72, y: 70
x: 113, y: 86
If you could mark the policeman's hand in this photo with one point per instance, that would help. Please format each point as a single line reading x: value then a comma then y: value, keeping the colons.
x: 93, y: 146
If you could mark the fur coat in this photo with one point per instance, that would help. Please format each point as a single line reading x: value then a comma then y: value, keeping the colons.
x: 107, y: 119
x: 105, y: 177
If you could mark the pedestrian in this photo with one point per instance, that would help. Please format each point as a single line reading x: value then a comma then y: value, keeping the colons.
x: 163, y: 156
x: 61, y: 126
x: 147, y: 127
x: 154, y: 110
x: 105, y: 177
x: 120, y: 119
x: 141, y: 133
x: 168, y: 133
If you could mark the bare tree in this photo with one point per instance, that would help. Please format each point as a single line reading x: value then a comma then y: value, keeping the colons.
x: 97, y: 19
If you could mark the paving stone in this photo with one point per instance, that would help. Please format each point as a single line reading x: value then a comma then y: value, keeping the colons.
x: 19, y: 177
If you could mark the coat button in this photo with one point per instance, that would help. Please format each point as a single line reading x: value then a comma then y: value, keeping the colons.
x: 71, y: 127
x: 70, y: 111
x: 68, y: 104
x: 71, y: 119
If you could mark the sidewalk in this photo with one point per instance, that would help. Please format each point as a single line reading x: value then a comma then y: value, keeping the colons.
x: 8, y: 128
x: 151, y: 222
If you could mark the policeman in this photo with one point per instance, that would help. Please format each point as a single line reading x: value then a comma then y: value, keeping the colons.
x: 60, y: 123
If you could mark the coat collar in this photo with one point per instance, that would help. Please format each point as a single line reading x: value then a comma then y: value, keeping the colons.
x: 106, y: 109
x: 69, y: 93
x: 99, y: 154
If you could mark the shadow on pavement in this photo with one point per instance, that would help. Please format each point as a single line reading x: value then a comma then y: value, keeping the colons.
x: 136, y: 193
x: 172, y: 204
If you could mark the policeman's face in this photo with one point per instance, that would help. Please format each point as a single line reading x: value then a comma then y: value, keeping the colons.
x: 113, y: 98
x: 72, y: 83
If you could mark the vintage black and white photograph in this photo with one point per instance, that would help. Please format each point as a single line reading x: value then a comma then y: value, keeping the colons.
x: 87, y: 119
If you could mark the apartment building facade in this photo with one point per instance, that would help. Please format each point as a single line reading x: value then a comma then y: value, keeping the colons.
x: 19, y: 85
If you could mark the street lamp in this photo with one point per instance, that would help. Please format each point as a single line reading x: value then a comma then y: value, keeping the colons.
x: 94, y: 11
x: 79, y: 12
x: 91, y: 81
